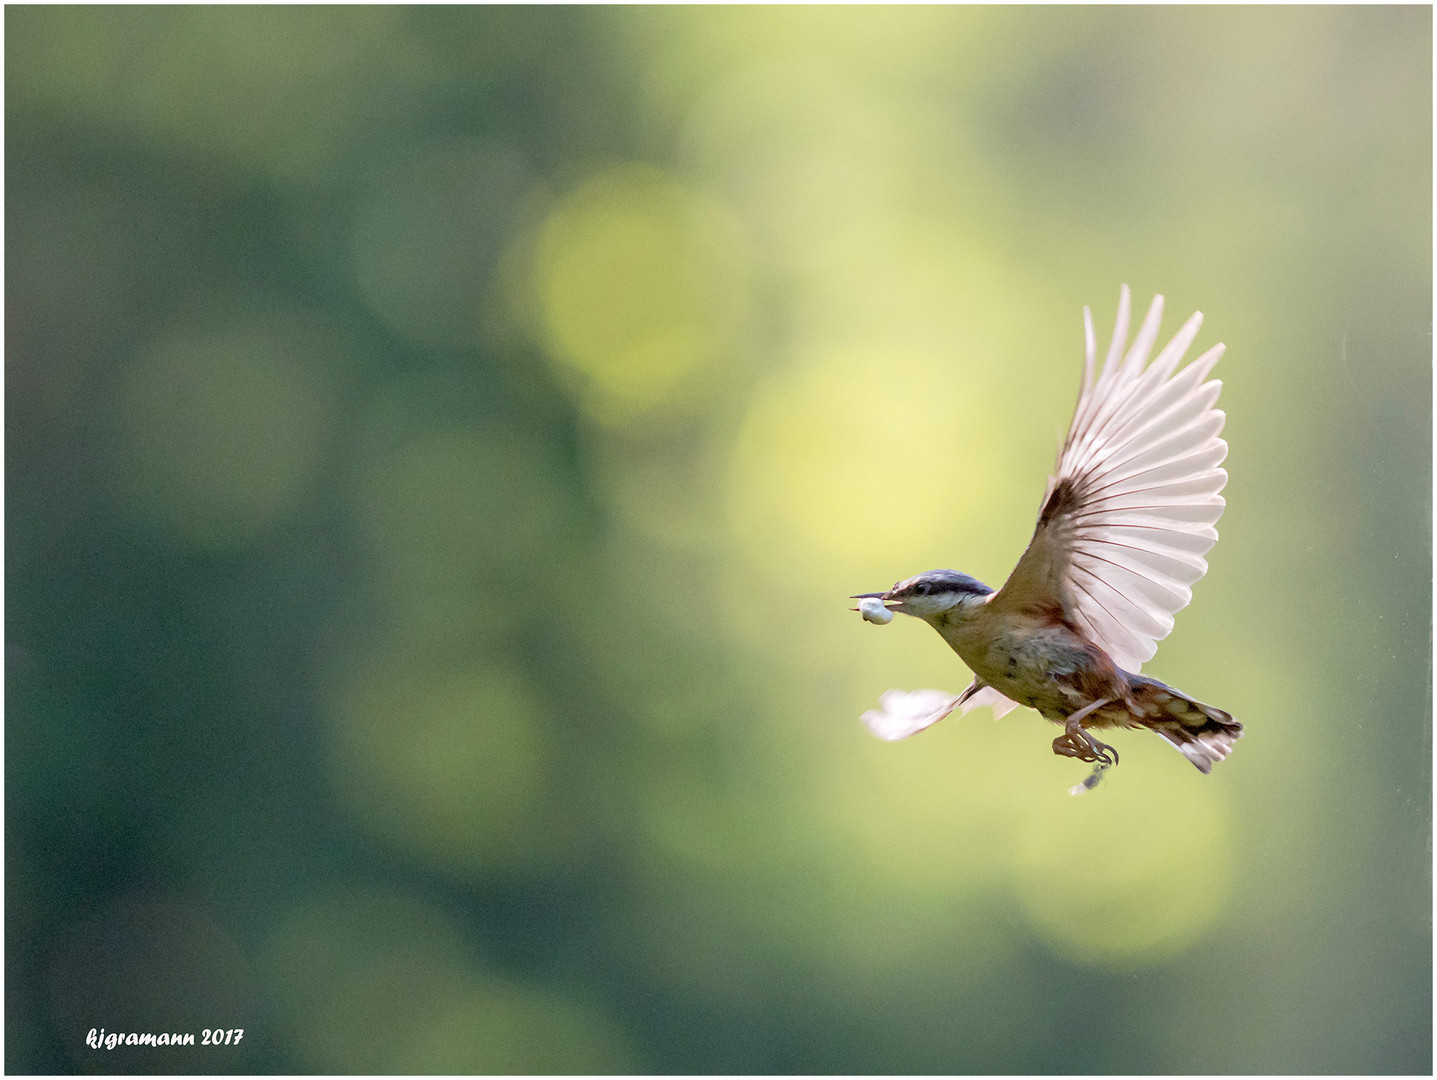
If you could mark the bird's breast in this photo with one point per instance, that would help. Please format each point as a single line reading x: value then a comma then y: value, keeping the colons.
x: 1030, y: 659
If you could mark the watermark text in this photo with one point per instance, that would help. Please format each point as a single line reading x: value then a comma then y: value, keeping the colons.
x: 100, y: 1039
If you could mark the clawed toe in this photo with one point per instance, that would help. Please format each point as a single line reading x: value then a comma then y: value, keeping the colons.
x: 1079, y: 744
x: 1101, y: 752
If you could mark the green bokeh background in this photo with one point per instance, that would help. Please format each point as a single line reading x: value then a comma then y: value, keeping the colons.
x: 440, y: 443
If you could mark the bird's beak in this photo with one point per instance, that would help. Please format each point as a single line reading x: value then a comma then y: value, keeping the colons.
x: 886, y: 597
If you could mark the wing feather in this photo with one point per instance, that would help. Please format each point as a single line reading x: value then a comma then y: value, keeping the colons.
x: 902, y: 713
x: 1129, y: 517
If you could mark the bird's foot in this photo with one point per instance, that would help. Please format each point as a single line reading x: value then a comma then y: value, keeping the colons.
x: 1103, y: 754
x: 1077, y: 743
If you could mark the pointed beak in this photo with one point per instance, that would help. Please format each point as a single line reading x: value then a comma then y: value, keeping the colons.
x: 886, y: 597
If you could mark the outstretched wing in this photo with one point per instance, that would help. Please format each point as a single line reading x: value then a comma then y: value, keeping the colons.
x: 1128, y: 518
x: 902, y: 713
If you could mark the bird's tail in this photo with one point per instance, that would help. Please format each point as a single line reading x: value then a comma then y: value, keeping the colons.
x: 1203, y: 733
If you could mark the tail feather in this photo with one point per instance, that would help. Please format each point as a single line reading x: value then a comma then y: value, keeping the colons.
x: 1204, y: 734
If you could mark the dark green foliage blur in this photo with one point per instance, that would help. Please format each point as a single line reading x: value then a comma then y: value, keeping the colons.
x: 441, y: 443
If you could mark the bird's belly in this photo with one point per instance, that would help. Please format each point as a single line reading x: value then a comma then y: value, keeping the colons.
x: 1033, y: 668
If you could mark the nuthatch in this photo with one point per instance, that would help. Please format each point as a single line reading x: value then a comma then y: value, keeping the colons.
x: 1120, y: 540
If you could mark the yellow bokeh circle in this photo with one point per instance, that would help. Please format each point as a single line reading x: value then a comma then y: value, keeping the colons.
x: 858, y: 459
x: 640, y: 290
x: 447, y: 767
x: 1133, y: 874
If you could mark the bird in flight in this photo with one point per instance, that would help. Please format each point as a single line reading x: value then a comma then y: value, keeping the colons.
x: 1119, y: 543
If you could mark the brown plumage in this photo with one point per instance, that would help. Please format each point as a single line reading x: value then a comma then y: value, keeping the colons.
x: 1119, y: 542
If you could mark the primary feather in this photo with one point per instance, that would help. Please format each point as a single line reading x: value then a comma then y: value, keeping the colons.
x: 902, y: 713
x: 1130, y: 514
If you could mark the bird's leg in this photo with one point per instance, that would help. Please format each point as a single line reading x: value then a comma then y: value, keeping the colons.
x: 973, y: 688
x: 1080, y: 744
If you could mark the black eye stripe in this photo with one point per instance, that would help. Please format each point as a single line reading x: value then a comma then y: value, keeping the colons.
x: 943, y: 583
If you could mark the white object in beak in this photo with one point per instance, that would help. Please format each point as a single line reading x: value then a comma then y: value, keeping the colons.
x: 872, y: 610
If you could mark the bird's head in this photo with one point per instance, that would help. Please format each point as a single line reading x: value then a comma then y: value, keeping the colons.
x: 932, y: 595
